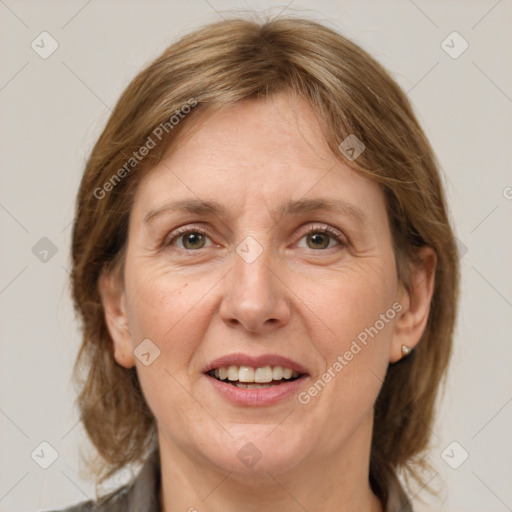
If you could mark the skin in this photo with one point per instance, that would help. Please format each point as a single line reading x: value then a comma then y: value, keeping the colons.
x: 296, y: 299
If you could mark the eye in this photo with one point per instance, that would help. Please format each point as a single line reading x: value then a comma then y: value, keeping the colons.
x: 191, y: 239
x: 322, y: 238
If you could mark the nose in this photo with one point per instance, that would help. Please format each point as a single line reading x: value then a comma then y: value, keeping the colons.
x: 254, y: 296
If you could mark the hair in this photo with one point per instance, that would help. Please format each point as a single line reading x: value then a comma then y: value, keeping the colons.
x: 352, y: 94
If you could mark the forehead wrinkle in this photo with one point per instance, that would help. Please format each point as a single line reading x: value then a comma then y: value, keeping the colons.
x: 289, y: 207
x: 334, y: 205
x: 194, y: 206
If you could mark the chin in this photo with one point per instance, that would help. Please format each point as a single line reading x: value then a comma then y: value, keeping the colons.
x: 257, y: 450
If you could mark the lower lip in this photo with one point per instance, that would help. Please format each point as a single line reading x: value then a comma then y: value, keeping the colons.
x: 257, y: 397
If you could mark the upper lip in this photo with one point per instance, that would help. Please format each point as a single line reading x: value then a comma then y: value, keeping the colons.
x: 240, y: 359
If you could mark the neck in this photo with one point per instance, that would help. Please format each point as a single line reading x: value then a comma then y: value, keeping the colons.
x: 323, y: 483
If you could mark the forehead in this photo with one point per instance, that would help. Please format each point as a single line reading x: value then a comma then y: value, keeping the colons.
x: 256, y: 152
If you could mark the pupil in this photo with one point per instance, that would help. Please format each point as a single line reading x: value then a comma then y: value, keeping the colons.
x: 319, y: 239
x: 193, y: 239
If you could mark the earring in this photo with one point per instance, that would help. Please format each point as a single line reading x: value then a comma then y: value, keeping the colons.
x: 406, y: 350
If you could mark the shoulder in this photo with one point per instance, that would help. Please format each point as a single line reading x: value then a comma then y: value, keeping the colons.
x: 140, y: 495
x: 114, y: 502
x: 397, y: 499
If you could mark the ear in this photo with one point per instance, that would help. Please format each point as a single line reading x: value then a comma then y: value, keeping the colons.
x: 114, y: 304
x: 415, y: 301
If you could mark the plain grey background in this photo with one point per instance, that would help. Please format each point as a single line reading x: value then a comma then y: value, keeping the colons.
x: 54, y: 108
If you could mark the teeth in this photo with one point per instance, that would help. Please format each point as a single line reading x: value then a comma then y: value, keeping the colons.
x: 263, y: 374
x: 247, y: 375
x: 233, y: 373
x: 252, y: 385
x: 277, y: 372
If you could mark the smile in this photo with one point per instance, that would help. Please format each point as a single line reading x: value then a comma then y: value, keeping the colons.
x: 255, y: 381
x: 254, y: 378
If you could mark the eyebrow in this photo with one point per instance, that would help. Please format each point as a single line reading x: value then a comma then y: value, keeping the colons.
x: 290, y: 207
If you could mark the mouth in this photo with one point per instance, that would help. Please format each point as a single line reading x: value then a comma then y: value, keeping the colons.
x: 249, y: 377
x: 250, y: 381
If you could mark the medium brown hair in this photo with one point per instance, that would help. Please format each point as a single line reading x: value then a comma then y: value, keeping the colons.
x: 222, y: 64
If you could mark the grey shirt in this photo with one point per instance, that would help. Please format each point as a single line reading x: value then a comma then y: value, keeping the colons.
x: 142, y: 494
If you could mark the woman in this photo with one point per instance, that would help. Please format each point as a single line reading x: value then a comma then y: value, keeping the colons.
x: 266, y: 277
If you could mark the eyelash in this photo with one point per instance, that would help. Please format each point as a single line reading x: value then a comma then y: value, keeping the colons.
x: 327, y: 230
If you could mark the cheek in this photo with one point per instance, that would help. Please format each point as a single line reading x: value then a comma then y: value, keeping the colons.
x: 172, y: 309
x: 166, y: 308
x: 159, y: 300
x: 353, y: 299
x: 353, y: 341
x: 354, y: 320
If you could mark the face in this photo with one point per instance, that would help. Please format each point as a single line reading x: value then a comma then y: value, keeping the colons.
x: 254, y: 254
